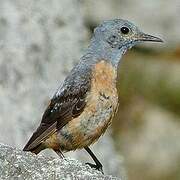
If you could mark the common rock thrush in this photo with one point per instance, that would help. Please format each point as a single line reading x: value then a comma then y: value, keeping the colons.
x: 83, y: 107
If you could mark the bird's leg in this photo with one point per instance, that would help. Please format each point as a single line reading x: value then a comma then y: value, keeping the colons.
x: 98, y: 165
x: 60, y: 154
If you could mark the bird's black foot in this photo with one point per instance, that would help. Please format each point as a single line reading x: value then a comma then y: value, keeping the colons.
x: 60, y: 154
x: 96, y: 166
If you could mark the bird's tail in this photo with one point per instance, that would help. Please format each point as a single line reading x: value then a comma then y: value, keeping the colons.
x: 36, y: 149
x: 36, y: 142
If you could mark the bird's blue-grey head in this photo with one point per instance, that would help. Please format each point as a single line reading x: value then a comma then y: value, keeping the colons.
x: 113, y: 38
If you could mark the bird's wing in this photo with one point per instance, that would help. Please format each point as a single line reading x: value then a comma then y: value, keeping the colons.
x: 64, y: 106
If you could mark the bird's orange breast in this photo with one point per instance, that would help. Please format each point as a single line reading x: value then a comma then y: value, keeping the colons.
x: 104, y: 78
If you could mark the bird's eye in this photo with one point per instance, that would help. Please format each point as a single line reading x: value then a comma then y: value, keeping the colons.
x: 125, y: 30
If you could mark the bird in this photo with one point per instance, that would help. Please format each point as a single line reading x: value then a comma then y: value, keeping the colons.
x: 84, y: 105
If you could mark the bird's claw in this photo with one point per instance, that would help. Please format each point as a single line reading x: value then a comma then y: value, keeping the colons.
x: 95, y: 166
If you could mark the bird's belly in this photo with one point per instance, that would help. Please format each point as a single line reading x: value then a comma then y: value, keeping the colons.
x: 90, y: 125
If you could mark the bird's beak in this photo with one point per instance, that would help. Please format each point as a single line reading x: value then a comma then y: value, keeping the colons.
x: 147, y: 37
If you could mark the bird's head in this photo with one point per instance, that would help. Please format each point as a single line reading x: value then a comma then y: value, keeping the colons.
x: 121, y: 34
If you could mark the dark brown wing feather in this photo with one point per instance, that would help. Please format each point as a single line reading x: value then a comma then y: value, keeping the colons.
x: 69, y: 103
x: 42, y: 132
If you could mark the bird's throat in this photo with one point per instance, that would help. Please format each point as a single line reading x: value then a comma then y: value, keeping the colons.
x: 101, y: 50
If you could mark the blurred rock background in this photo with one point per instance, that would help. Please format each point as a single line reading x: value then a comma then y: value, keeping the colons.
x: 41, y: 40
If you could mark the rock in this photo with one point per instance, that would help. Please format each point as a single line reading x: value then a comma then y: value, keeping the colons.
x: 16, y: 164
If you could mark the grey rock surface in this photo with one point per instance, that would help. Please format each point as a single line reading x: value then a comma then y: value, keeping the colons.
x: 16, y: 164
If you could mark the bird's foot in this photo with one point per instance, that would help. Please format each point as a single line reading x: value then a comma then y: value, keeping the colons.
x: 60, y: 154
x: 96, y: 166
